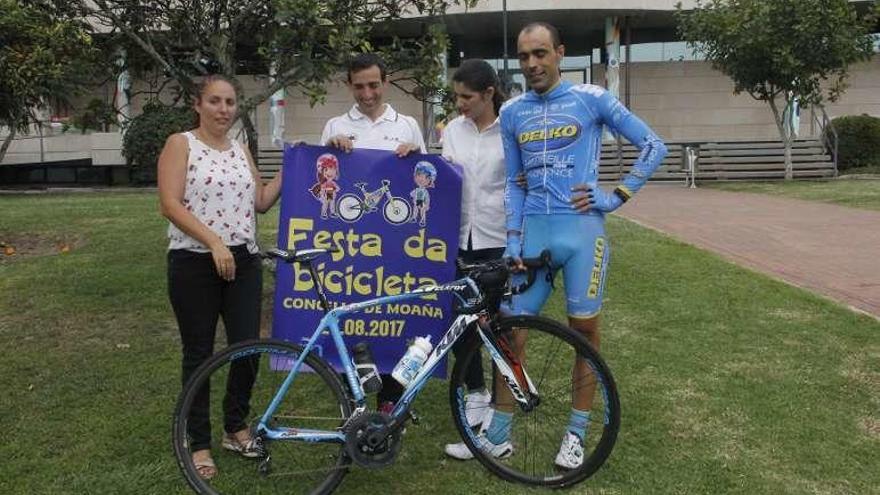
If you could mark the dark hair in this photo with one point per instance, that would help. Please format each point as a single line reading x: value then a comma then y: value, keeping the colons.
x: 365, y: 61
x: 554, y: 33
x: 478, y: 75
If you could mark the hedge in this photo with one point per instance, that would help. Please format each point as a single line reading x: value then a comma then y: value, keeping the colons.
x: 859, y: 141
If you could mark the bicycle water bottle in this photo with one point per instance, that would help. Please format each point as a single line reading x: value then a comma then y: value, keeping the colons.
x: 367, y: 372
x: 411, y: 362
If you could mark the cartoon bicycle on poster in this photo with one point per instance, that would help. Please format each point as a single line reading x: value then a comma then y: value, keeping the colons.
x: 352, y: 207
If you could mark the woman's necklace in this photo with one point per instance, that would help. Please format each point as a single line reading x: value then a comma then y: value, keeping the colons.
x: 222, y: 146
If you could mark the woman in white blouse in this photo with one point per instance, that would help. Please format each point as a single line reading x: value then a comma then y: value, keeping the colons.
x: 210, y: 191
x: 473, y: 140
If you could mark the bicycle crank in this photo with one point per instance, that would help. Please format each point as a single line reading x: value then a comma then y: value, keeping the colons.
x: 370, y: 441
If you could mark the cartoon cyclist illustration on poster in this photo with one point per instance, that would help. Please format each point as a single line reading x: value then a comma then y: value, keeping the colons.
x: 424, y: 175
x: 326, y: 187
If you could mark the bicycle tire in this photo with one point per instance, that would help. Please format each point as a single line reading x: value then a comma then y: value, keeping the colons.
x: 396, y: 211
x: 536, y: 436
x: 350, y: 208
x: 327, y: 407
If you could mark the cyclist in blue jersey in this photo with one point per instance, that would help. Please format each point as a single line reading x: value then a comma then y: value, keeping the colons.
x: 552, y: 135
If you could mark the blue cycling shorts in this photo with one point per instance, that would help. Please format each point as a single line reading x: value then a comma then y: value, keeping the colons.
x: 578, y: 246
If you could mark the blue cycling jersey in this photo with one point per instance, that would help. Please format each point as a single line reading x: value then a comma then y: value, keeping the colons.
x: 556, y: 138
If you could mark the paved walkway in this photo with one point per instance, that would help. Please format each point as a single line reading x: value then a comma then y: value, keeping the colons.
x: 828, y: 249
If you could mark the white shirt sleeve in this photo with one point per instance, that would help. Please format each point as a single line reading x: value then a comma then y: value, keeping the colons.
x: 328, y: 132
x: 417, y: 137
x: 448, y: 152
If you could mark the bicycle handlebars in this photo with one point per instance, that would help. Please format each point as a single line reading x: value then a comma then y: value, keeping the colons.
x: 492, y: 277
x: 301, y: 256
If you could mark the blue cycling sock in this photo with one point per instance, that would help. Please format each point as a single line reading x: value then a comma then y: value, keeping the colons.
x: 499, y: 429
x: 578, y: 422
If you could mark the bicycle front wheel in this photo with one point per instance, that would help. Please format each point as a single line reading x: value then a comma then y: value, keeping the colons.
x: 231, y: 391
x: 396, y: 211
x: 566, y: 372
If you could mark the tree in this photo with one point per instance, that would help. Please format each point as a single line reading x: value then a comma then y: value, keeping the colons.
x: 780, y: 51
x: 303, y: 43
x: 43, y: 55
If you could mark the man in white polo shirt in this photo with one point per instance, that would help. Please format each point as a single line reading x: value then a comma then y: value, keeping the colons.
x: 372, y: 123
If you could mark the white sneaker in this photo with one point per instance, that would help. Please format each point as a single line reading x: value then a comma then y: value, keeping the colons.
x: 571, y: 452
x: 476, y: 406
x: 461, y: 452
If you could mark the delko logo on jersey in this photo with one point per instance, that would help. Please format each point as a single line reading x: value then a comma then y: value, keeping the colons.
x: 551, y: 133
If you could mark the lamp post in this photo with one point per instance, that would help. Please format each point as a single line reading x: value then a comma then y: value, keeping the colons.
x: 504, y: 31
x: 506, y: 79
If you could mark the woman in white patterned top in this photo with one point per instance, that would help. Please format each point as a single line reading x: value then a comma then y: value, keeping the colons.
x: 210, y: 190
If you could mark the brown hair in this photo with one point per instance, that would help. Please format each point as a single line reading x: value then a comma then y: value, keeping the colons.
x: 208, y: 80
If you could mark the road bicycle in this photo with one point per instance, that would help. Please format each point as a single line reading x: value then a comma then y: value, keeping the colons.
x: 310, y: 425
x: 352, y: 207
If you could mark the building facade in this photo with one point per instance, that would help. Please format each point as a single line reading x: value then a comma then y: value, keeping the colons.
x: 678, y: 94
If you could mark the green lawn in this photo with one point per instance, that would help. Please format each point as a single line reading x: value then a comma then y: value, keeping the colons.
x: 856, y: 193
x: 730, y: 382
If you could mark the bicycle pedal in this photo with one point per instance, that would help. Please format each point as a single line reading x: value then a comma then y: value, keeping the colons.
x: 414, y: 417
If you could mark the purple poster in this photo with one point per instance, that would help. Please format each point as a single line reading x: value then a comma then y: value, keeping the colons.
x: 394, y: 222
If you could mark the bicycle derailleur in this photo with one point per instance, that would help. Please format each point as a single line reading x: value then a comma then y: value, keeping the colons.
x: 370, y: 440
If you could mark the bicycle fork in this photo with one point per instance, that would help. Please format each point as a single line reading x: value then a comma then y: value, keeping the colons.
x: 509, y: 367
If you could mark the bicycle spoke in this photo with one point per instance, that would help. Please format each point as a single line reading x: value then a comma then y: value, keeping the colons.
x: 537, y: 433
x: 315, y: 401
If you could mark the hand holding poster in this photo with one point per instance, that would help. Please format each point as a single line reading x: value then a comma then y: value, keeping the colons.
x: 393, y: 223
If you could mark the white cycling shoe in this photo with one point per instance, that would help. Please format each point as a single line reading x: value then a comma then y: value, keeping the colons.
x: 461, y: 452
x: 571, y: 452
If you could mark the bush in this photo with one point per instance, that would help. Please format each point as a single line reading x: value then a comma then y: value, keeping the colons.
x: 97, y: 116
x: 859, y: 141
x: 146, y: 136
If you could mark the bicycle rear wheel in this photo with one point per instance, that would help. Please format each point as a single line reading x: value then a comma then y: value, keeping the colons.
x: 551, y: 351
x: 350, y: 208
x: 316, y: 400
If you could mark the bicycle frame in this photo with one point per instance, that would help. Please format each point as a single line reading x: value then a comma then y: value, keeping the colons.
x: 371, y: 198
x: 330, y: 322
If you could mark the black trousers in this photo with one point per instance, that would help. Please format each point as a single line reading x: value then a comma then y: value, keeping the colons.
x: 199, y: 298
x: 392, y: 390
x: 474, y: 377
